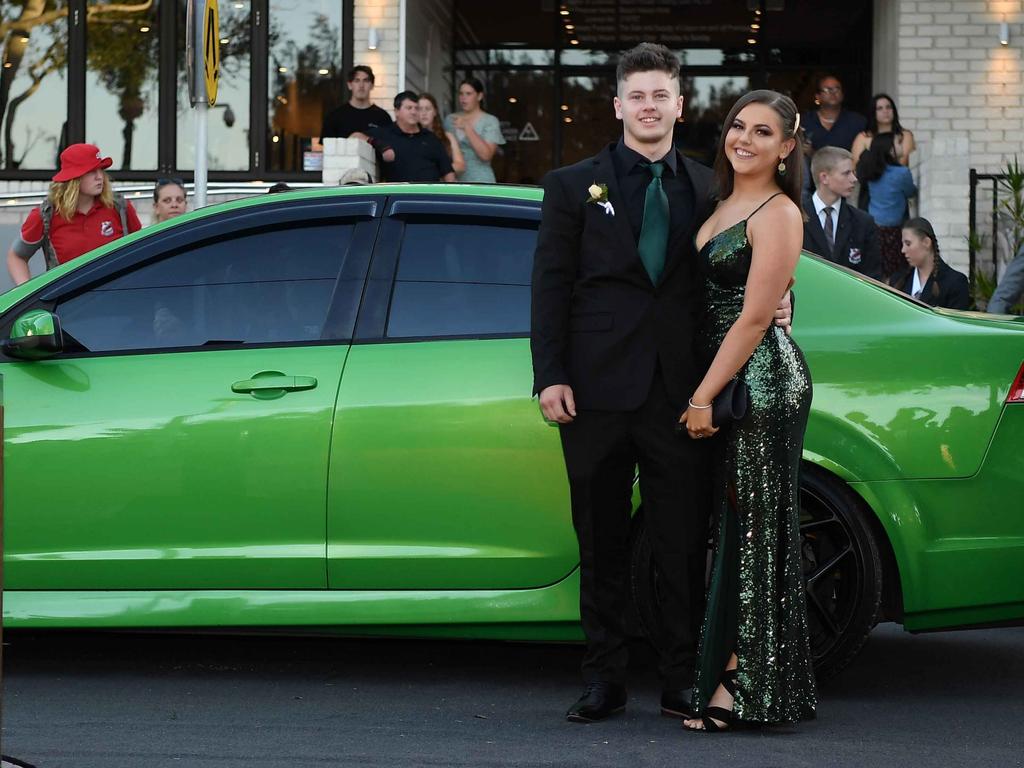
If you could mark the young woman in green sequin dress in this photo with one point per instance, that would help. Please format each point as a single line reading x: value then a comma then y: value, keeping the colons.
x: 754, y: 661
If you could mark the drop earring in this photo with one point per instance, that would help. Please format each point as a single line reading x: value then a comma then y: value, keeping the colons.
x: 782, y: 166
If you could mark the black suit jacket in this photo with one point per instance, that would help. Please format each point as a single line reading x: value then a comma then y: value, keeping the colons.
x: 598, y: 324
x: 857, y: 243
x: 952, y: 293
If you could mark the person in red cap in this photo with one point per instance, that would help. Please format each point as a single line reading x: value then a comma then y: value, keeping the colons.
x: 88, y: 214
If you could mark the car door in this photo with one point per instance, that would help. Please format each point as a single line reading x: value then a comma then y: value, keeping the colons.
x: 181, y: 439
x: 443, y: 473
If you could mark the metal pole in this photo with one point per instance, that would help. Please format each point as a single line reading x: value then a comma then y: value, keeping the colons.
x: 202, y: 107
x: 972, y: 228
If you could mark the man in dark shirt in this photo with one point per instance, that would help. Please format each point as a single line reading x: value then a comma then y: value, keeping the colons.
x: 830, y: 125
x: 360, y: 117
x: 418, y: 154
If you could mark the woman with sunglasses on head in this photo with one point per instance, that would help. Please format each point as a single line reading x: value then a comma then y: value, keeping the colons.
x: 81, y: 213
x: 169, y: 199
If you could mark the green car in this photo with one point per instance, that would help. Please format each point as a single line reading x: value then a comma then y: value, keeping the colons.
x: 312, y: 410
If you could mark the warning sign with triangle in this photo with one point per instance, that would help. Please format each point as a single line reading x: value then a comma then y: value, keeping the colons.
x: 529, y: 133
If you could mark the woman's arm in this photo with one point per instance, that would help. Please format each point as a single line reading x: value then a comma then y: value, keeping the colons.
x: 907, y: 145
x: 458, y: 161
x: 776, y: 237
x: 17, y: 267
x: 484, y: 149
x: 861, y: 143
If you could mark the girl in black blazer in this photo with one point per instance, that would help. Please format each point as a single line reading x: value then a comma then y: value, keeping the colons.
x: 938, y: 284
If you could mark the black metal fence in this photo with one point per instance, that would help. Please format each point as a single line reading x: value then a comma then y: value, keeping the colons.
x: 973, y: 242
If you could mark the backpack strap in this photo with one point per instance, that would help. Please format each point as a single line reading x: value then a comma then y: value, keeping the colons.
x: 46, y: 214
x: 122, y: 211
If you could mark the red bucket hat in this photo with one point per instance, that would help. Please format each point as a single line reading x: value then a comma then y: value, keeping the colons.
x: 78, y: 159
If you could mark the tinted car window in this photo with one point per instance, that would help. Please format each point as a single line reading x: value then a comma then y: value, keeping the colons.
x: 457, y: 279
x: 268, y: 286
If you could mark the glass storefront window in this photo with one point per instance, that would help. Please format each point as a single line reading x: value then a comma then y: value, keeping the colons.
x: 121, y: 86
x: 33, y: 83
x: 304, y: 78
x: 706, y: 102
x: 228, y: 128
x: 588, y: 115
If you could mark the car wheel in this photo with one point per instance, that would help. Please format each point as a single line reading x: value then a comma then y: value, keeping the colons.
x: 842, y: 572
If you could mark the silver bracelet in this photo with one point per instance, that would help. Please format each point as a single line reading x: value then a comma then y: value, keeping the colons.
x: 698, y: 407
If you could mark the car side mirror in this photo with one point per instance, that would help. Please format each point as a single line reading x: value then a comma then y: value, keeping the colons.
x: 35, y: 335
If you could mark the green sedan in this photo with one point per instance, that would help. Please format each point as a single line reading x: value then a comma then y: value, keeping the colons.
x: 313, y: 411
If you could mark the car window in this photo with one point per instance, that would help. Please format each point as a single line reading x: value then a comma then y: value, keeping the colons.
x: 257, y: 287
x: 461, y: 279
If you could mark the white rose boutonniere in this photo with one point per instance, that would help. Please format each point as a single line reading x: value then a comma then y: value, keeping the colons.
x: 599, y: 194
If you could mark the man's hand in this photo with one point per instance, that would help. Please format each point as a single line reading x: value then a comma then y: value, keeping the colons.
x: 784, y: 314
x: 557, y: 403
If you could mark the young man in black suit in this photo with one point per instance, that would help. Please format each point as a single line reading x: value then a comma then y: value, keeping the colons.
x: 835, y: 229
x: 616, y: 303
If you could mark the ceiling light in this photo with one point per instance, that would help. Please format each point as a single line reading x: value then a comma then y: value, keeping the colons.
x: 751, y: 40
x: 574, y: 41
x: 564, y: 12
x: 282, y: 70
x: 324, y: 71
x: 143, y: 29
x: 512, y: 100
x: 239, y: 5
x: 225, y: 40
x: 570, y: 27
x: 567, y: 119
x: 276, y: 139
x: 755, y: 25
x: 565, y: 107
x: 24, y: 39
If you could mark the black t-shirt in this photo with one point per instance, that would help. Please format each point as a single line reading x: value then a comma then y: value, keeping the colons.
x: 418, y: 156
x: 346, y: 120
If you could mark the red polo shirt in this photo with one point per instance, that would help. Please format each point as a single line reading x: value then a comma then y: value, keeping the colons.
x: 84, y: 232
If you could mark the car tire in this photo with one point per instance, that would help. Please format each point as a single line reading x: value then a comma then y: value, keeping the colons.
x: 842, y: 572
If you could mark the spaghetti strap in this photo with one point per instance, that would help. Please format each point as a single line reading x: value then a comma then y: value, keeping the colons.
x: 762, y: 205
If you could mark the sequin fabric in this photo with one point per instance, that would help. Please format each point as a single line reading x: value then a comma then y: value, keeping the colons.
x: 756, y: 604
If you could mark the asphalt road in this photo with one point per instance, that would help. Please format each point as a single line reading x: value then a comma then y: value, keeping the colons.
x: 106, y: 700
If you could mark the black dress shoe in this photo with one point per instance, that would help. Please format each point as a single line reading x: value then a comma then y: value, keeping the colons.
x: 677, y: 703
x: 598, y: 702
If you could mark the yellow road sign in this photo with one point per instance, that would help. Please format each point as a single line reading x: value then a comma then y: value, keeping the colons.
x: 211, y: 50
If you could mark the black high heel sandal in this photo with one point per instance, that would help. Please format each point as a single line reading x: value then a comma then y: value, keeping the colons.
x: 712, y: 714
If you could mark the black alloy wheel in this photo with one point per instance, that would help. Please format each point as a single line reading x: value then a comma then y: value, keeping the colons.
x: 842, y: 572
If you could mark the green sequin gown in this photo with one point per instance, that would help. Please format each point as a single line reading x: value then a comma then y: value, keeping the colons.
x: 756, y: 604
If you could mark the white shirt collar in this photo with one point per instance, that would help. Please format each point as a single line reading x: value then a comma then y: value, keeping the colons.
x: 917, y: 286
x: 820, y: 206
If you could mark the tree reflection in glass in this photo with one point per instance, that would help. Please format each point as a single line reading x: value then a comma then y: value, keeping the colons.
x: 304, y: 76
x: 122, y: 61
x: 33, y: 86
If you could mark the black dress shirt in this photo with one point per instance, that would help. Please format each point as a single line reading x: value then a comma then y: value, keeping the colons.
x: 633, y: 176
x: 418, y: 156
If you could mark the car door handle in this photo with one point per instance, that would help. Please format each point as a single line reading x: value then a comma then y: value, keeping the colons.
x: 273, y: 383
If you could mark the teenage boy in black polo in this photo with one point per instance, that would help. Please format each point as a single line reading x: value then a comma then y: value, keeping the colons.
x: 418, y: 154
x: 360, y: 117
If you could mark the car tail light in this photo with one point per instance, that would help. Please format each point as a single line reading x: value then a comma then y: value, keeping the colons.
x: 1017, y: 388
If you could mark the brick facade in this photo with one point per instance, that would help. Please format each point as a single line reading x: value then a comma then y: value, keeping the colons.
x: 960, y: 91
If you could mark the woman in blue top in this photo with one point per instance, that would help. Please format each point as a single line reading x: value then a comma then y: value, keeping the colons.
x: 479, y: 133
x: 890, y: 187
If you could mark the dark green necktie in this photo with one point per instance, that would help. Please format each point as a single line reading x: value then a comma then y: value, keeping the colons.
x: 654, y: 231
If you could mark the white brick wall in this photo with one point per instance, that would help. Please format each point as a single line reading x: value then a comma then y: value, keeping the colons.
x: 962, y: 95
x: 382, y: 14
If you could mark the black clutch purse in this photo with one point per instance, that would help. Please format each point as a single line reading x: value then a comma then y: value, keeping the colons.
x: 731, y: 404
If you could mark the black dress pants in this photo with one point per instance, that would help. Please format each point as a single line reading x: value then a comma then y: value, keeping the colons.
x: 602, y: 449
